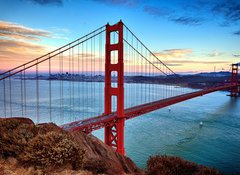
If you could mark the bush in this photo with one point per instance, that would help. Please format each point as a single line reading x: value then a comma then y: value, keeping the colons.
x: 164, y: 165
x: 96, y: 166
x: 52, y: 149
x: 14, y: 136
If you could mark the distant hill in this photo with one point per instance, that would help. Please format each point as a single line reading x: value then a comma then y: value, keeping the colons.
x: 215, y: 74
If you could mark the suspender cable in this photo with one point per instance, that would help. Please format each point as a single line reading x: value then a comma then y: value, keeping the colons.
x: 10, y: 94
x: 4, y: 99
x: 60, y: 85
x: 73, y: 80
x: 91, y: 80
x: 69, y: 81
x: 50, y: 89
x: 25, y: 91
x: 37, y: 93
x: 94, y: 82
x: 78, y: 79
x: 21, y: 85
x: 84, y: 84
x: 87, y: 83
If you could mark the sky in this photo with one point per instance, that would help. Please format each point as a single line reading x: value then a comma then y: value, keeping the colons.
x: 189, y: 36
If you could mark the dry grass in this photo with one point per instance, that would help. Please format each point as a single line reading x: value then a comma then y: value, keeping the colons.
x: 10, y: 166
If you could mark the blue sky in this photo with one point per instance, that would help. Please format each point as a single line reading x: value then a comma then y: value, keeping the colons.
x: 188, y: 36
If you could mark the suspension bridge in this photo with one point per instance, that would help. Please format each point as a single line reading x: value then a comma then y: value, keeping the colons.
x: 97, y: 81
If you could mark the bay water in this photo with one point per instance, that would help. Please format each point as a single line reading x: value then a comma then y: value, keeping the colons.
x: 173, y: 130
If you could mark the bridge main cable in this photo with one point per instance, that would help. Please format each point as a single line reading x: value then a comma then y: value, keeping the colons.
x: 150, y: 51
x: 25, y: 67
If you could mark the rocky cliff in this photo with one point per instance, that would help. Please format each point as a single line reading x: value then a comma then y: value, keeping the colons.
x: 26, y: 148
x: 29, y: 149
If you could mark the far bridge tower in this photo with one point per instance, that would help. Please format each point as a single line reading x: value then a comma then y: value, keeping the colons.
x: 235, y: 89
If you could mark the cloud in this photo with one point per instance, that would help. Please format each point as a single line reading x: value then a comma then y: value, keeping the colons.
x: 17, y: 46
x: 237, y: 32
x: 156, y: 11
x: 187, y: 21
x: 229, y: 9
x: 194, y: 62
x: 48, y: 2
x: 128, y: 3
x: 236, y: 55
x: 16, y: 31
x: 17, y: 36
x: 9, y: 47
x: 174, y: 64
x: 173, y: 53
x: 215, y: 53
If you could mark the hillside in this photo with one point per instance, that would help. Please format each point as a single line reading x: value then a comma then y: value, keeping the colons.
x: 26, y: 148
x: 29, y: 149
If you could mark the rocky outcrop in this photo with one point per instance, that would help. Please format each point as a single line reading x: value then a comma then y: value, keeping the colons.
x: 26, y: 148
x: 100, y: 155
x: 29, y: 149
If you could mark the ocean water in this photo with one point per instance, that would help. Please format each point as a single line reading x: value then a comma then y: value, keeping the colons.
x: 177, y: 133
x: 173, y: 132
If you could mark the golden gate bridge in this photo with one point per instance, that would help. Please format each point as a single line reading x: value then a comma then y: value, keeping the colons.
x: 97, y: 81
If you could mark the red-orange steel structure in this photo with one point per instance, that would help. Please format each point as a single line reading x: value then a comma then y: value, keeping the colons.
x: 95, y: 123
x: 234, y: 91
x: 111, y: 121
x: 114, y: 131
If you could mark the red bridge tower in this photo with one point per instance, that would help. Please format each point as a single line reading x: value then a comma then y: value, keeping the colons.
x: 234, y: 91
x: 114, y: 131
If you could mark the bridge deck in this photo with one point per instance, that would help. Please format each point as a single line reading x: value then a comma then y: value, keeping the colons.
x: 98, y: 122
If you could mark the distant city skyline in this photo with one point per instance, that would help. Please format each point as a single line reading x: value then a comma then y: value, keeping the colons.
x: 189, y: 37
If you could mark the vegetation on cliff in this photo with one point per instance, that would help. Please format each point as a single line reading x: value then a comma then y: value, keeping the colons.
x: 47, y: 149
x: 29, y: 149
x: 165, y: 165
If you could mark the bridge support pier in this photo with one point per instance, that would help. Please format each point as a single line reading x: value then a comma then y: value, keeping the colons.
x: 114, y: 132
x: 234, y: 90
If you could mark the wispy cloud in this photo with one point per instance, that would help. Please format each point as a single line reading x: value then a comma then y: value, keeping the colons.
x: 61, y: 30
x: 194, y: 62
x: 128, y: 3
x: 227, y: 12
x: 173, y: 53
x: 236, y: 55
x: 187, y: 21
x: 48, y: 2
x: 237, y: 32
x: 18, y: 43
x: 229, y: 9
x: 215, y: 53
x: 16, y: 31
x: 155, y: 11
x: 173, y: 64
x: 17, y: 47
